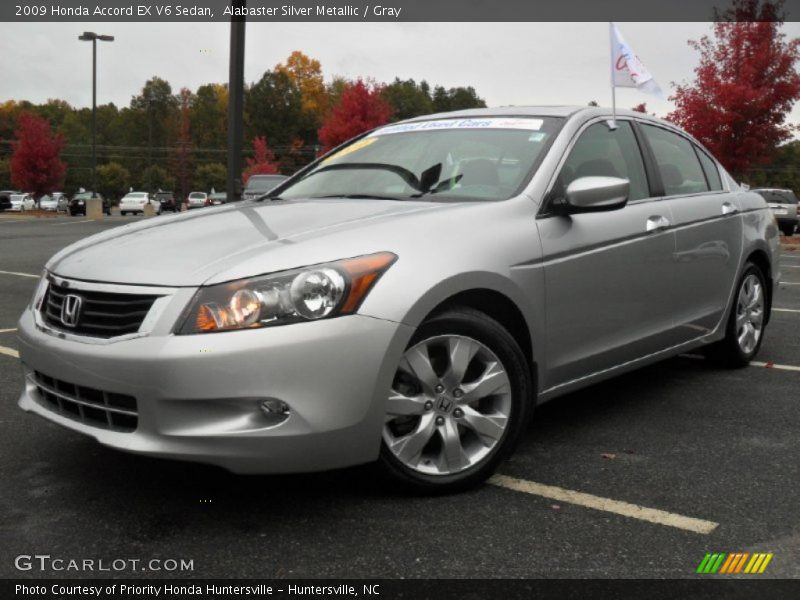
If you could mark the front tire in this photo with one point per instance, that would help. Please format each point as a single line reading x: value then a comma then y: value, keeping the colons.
x: 461, y: 397
x: 745, y: 330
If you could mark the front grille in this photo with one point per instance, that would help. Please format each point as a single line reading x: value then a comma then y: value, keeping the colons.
x: 98, y: 408
x: 102, y: 314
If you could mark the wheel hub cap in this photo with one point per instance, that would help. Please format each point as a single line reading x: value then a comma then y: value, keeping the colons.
x: 749, y: 313
x: 448, y: 407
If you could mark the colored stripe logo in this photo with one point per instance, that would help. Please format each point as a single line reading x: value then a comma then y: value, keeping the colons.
x: 732, y: 563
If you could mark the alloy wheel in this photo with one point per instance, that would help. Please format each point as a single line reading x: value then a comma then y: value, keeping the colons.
x: 449, y: 405
x: 749, y: 313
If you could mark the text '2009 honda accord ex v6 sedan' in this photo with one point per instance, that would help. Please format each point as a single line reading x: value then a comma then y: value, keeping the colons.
x: 408, y: 298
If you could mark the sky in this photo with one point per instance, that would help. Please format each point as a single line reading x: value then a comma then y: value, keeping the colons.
x: 507, y: 63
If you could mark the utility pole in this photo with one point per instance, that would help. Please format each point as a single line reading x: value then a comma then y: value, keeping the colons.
x: 236, y: 104
x: 90, y: 36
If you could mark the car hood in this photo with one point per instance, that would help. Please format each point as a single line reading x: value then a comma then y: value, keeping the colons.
x: 234, y: 241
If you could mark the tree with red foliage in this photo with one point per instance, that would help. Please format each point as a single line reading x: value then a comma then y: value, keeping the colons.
x: 36, y: 164
x: 745, y: 85
x: 642, y: 108
x: 360, y: 108
x: 263, y: 161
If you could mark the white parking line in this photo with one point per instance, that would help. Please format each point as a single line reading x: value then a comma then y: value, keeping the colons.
x: 7, y: 330
x: 625, y: 509
x: 9, y: 352
x: 785, y: 309
x: 772, y: 365
x: 790, y: 266
x: 19, y: 274
x: 72, y: 222
x: 789, y: 283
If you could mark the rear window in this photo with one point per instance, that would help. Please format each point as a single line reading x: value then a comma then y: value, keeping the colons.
x: 256, y: 183
x: 197, y: 195
x: 778, y: 196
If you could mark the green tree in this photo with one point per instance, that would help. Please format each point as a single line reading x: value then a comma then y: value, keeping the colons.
x: 408, y: 99
x: 208, y: 116
x: 274, y: 109
x: 5, y: 174
x: 113, y: 180
x: 457, y: 98
x: 156, y: 111
x: 211, y: 175
x: 155, y: 178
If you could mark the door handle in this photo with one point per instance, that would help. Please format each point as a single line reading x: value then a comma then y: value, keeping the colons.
x: 657, y: 223
x: 729, y: 209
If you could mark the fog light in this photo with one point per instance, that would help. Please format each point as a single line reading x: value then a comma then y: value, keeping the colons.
x: 272, y: 407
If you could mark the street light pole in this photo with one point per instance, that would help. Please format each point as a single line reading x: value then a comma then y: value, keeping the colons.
x: 236, y: 104
x: 90, y: 36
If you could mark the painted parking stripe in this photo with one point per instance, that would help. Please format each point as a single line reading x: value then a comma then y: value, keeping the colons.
x: 772, y: 365
x: 790, y: 266
x: 625, y: 509
x: 789, y: 283
x: 19, y: 274
x: 791, y: 310
x: 7, y: 330
x: 9, y: 352
x: 72, y: 222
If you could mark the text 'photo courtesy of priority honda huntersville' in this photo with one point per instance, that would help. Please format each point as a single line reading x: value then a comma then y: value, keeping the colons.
x: 408, y: 298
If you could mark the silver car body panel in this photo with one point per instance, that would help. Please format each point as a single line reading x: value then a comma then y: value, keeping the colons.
x: 597, y: 293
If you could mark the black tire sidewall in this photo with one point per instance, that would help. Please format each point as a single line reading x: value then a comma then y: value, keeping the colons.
x: 480, y: 327
x: 731, y: 334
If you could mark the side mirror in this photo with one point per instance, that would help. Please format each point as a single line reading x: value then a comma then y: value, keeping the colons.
x: 594, y: 194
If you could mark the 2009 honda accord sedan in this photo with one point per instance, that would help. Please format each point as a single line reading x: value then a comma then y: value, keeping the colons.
x: 407, y: 299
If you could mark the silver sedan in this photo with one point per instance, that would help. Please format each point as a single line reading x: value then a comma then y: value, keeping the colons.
x: 408, y: 299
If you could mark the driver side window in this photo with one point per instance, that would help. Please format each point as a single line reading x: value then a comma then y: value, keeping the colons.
x: 601, y: 151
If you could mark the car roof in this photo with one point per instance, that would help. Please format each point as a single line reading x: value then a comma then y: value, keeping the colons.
x: 771, y: 190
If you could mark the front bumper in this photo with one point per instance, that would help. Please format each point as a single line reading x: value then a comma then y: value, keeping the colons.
x: 198, y: 396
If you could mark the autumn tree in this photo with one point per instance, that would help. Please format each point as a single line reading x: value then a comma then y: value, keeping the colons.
x: 274, y: 109
x: 306, y: 73
x: 36, y: 164
x: 263, y: 161
x: 208, y: 115
x: 641, y: 107
x: 361, y: 108
x: 744, y: 86
x: 5, y: 173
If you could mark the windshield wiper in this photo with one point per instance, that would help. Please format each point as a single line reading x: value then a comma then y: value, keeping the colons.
x: 362, y: 197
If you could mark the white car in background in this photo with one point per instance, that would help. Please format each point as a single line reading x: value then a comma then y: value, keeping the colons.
x: 49, y: 203
x: 22, y: 202
x: 198, y: 200
x: 134, y: 202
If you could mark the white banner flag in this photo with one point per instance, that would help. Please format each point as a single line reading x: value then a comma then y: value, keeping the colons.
x: 626, y: 68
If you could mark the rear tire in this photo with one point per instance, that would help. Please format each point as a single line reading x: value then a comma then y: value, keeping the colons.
x: 461, y: 398
x: 745, y: 330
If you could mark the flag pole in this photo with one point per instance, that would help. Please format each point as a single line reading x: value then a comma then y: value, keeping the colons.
x: 613, y: 124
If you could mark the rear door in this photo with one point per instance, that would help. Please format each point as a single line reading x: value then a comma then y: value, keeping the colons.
x: 708, y: 230
x: 607, y: 274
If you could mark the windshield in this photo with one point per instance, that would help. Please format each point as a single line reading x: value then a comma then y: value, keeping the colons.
x: 136, y: 196
x: 778, y: 196
x: 447, y: 159
x: 197, y: 195
x: 83, y: 196
x: 263, y: 184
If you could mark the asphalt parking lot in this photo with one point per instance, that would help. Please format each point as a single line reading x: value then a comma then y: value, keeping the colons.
x: 669, y: 463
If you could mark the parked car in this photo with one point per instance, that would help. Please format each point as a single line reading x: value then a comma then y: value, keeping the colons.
x: 258, y: 185
x: 218, y: 198
x: 166, y: 202
x: 5, y: 199
x: 197, y: 200
x: 784, y: 206
x: 408, y: 299
x: 134, y: 202
x: 77, y: 206
x: 21, y: 202
x: 63, y: 203
x: 49, y: 203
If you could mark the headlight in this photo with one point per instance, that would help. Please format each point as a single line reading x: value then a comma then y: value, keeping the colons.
x: 307, y: 294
